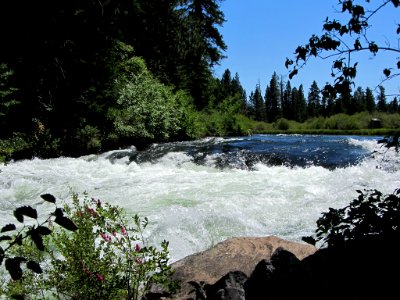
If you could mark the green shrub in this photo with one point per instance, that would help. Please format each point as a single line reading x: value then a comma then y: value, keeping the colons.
x: 148, y: 111
x: 89, y: 138
x: 282, y: 124
x: 104, y: 259
x: 10, y: 147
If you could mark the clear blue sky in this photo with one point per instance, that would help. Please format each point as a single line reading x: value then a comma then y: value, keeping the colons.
x: 260, y: 34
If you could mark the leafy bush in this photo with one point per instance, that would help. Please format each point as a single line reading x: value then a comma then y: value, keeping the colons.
x: 28, y: 231
x: 89, y: 137
x: 10, y: 147
x: 371, y: 215
x: 282, y: 124
x: 147, y: 110
x: 104, y: 259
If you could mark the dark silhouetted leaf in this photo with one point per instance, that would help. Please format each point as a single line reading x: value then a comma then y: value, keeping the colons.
x: 58, y: 212
x: 18, y: 240
x: 27, y: 211
x: 13, y: 266
x: 293, y: 73
x: 5, y: 238
x: 34, y: 266
x: 288, y: 62
x: 1, y: 255
x: 17, y: 297
x: 42, y: 230
x: 18, y: 216
x: 38, y: 240
x: 8, y: 227
x: 373, y: 47
x: 357, y: 44
x: 48, y: 198
x: 66, y: 223
x: 386, y: 72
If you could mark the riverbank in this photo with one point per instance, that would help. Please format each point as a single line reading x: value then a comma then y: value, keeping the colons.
x: 356, y: 132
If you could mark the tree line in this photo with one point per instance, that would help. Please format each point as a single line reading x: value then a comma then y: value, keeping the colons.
x: 84, y: 76
x: 281, y: 100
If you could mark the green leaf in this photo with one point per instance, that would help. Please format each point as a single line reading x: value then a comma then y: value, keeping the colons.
x: 66, y: 223
x: 8, y: 227
x: 34, y: 266
x: 48, y: 198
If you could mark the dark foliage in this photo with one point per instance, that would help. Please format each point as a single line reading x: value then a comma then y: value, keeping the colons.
x: 371, y: 215
x: 33, y: 232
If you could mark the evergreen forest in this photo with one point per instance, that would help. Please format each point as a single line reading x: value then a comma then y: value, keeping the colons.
x: 80, y: 77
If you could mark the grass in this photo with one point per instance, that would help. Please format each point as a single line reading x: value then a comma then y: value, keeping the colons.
x: 340, y: 124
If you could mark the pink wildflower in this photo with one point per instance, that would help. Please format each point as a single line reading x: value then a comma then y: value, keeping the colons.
x: 114, y: 234
x: 137, y: 248
x: 99, y: 277
x: 92, y: 211
x: 105, y: 237
x: 138, y: 261
x: 123, y: 231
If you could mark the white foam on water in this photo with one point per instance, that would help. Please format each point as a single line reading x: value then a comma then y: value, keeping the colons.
x: 195, y: 206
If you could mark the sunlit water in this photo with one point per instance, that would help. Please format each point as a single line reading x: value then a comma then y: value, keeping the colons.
x: 197, y: 194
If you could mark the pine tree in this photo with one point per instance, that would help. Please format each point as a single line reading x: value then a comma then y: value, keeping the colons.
x: 381, y: 100
x: 299, y: 106
x: 238, y: 91
x: 272, y: 99
x: 393, y: 106
x: 226, y: 84
x: 359, y: 100
x: 369, y: 100
x: 257, y: 106
x: 286, y: 102
x: 313, y: 100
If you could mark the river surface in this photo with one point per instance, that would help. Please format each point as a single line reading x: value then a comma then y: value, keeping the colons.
x: 199, y: 193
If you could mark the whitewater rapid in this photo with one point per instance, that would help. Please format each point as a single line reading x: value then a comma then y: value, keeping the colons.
x: 194, y: 206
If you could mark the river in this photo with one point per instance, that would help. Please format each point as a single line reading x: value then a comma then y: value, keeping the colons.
x: 199, y: 193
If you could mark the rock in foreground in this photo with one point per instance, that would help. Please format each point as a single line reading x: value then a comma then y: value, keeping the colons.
x: 235, y: 254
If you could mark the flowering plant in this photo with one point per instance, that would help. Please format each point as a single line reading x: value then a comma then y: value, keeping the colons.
x: 105, y: 258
